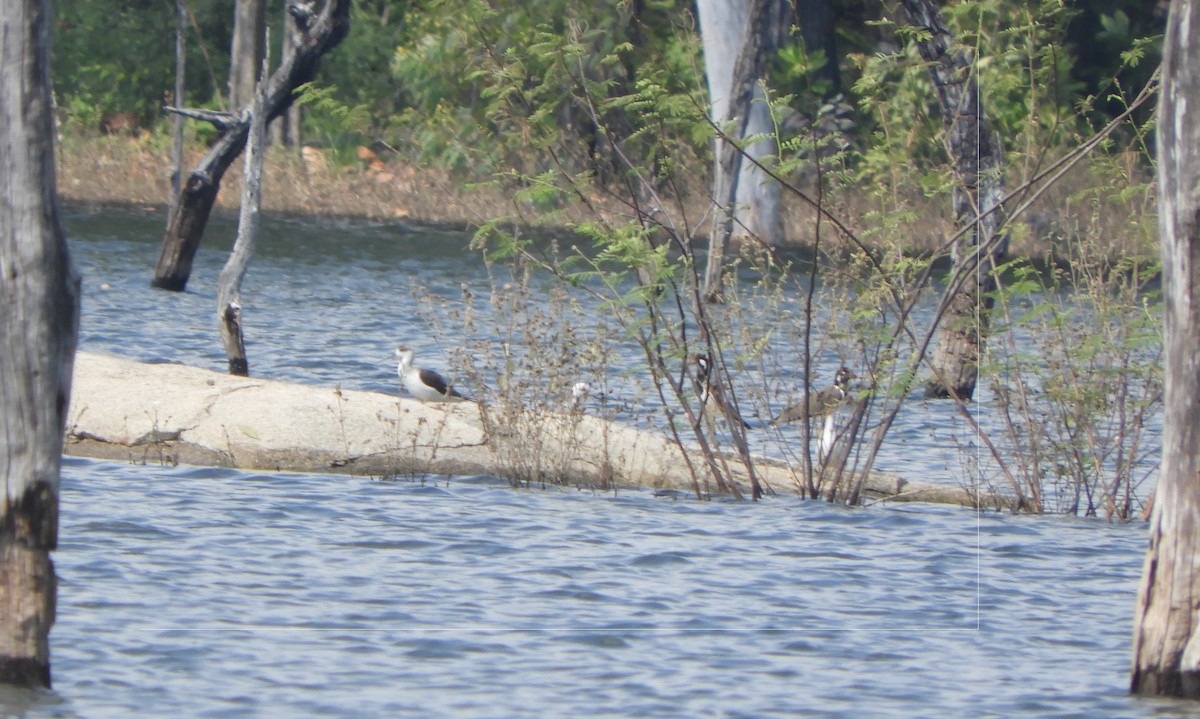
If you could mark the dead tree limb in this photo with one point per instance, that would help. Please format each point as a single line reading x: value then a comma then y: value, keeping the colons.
x: 221, y: 120
x: 319, y: 34
x: 229, y: 287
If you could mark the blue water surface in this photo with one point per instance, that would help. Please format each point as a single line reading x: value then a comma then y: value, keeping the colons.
x: 206, y: 592
x: 213, y: 592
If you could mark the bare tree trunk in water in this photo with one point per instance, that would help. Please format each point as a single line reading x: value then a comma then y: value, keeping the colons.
x: 739, y: 37
x: 185, y: 226
x: 979, y: 170
x: 39, y: 323
x: 229, y: 287
x: 1166, y: 624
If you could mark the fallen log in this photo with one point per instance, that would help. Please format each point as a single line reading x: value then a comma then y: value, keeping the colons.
x: 174, y: 414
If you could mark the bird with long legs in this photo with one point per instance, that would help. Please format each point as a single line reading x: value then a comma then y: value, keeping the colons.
x: 822, y: 405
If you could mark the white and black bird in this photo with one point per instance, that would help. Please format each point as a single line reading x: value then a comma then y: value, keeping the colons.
x: 713, y: 392
x: 820, y: 404
x: 425, y: 384
x: 580, y: 392
x: 824, y: 404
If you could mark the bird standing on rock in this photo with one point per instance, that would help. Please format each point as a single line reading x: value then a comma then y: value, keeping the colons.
x: 822, y: 403
x: 825, y: 404
x: 424, y: 384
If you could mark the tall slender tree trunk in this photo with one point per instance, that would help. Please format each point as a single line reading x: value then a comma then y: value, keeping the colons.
x: 229, y: 288
x: 1166, y: 625
x: 180, y: 89
x: 816, y: 20
x: 979, y: 171
x: 739, y: 37
x: 246, y: 51
x: 39, y: 323
x: 319, y: 34
x: 286, y: 129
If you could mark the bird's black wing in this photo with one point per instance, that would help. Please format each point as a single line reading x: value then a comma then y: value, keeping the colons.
x: 436, y: 381
x: 439, y: 383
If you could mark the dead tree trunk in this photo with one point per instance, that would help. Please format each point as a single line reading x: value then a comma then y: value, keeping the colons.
x: 748, y: 202
x: 319, y: 34
x: 1166, y: 625
x: 286, y: 130
x: 818, y: 31
x: 180, y: 87
x: 246, y: 51
x: 39, y: 323
x: 979, y: 170
x: 229, y: 288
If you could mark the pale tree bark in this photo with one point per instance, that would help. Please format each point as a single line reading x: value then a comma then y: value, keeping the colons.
x: 246, y: 51
x: 181, y: 11
x: 286, y: 129
x: 739, y: 38
x: 1166, y: 626
x: 319, y: 34
x: 979, y: 173
x: 229, y: 287
x: 39, y: 320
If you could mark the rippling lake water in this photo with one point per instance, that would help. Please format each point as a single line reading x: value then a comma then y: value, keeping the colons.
x: 211, y: 592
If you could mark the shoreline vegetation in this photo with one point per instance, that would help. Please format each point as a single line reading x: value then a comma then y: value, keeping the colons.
x: 135, y: 170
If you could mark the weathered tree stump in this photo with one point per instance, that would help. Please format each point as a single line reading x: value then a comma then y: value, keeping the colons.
x: 1166, y: 626
x: 39, y: 322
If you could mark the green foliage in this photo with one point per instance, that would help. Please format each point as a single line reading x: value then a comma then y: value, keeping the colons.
x: 501, y: 80
x: 111, y: 57
x: 562, y: 105
x: 429, y: 75
x: 333, y: 122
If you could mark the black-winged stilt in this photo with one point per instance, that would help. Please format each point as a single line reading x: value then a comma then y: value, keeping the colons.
x: 424, y: 384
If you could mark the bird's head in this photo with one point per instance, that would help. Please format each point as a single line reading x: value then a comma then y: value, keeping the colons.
x: 581, y: 390
x: 405, y: 356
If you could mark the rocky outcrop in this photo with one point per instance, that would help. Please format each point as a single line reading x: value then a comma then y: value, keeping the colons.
x: 171, y: 414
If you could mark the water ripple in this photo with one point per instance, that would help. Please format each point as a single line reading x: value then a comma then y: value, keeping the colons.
x: 448, y: 603
x: 212, y: 592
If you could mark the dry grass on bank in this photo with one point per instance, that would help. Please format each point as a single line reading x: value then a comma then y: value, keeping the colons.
x: 132, y: 170
x: 137, y: 170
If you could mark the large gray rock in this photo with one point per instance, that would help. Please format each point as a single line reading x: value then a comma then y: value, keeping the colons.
x: 169, y: 414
